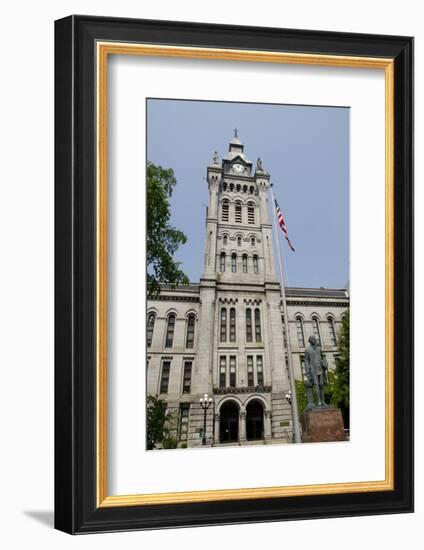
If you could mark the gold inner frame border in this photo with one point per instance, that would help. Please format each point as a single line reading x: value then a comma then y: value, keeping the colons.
x: 103, y: 50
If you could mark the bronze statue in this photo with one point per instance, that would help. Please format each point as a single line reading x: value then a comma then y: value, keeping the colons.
x: 316, y: 373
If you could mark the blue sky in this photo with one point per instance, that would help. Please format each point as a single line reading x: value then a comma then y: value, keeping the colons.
x: 304, y: 148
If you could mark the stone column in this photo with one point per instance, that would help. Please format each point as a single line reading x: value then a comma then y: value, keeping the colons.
x: 179, y: 334
x: 159, y: 334
x: 153, y: 373
x: 270, y: 271
x: 216, y: 434
x: 263, y: 203
x: 241, y: 341
x: 242, y: 426
x: 210, y: 250
x: 202, y: 375
x: 280, y: 381
x: 268, y: 428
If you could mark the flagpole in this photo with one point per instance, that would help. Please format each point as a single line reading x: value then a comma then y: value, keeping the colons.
x: 295, y: 412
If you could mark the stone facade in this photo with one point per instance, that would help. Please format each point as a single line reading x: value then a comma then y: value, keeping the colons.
x: 226, y: 335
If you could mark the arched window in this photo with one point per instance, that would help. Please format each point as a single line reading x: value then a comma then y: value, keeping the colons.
x: 238, y: 216
x: 225, y: 210
x: 244, y: 263
x: 315, y: 328
x: 253, y: 241
x: 222, y: 262
x: 191, y: 323
x: 255, y: 264
x: 225, y: 240
x: 231, y: 186
x: 233, y: 324
x: 239, y: 241
x: 234, y: 263
x: 223, y: 333
x: 332, y: 331
x: 224, y: 186
x: 238, y: 187
x: 258, y: 335
x: 251, y: 213
x: 151, y: 318
x: 300, y: 334
x: 249, y: 334
x: 252, y: 189
x: 170, y: 329
x: 244, y: 188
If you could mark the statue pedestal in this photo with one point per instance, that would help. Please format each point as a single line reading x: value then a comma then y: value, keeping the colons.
x: 323, y: 424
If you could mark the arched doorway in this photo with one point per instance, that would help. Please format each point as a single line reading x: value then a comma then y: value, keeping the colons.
x: 254, y: 420
x: 229, y: 422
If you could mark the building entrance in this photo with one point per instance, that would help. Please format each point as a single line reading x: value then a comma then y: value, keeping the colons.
x: 229, y: 423
x: 254, y: 421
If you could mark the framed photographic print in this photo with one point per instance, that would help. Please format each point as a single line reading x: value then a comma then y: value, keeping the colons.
x: 234, y: 281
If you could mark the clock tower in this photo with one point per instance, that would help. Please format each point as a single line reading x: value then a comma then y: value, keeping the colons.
x: 241, y: 355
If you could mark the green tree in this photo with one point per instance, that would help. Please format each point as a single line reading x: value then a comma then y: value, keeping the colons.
x: 161, y: 424
x: 163, y: 239
x: 338, y: 380
x: 301, y: 396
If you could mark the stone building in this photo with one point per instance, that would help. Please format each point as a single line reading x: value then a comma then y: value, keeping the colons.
x: 225, y: 336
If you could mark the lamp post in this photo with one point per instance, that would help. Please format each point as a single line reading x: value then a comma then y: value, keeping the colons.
x: 288, y: 397
x: 205, y: 403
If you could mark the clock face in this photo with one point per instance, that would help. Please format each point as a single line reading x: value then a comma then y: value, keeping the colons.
x: 238, y: 168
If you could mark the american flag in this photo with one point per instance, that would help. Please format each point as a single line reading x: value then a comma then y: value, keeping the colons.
x: 283, y: 225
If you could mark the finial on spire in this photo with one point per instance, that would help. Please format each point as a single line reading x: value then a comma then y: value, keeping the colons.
x: 235, y: 132
x: 216, y: 158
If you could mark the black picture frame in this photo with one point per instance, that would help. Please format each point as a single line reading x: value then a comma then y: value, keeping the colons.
x: 76, y: 510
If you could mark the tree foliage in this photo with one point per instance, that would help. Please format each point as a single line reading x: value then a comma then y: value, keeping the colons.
x: 163, y: 239
x: 161, y: 424
x: 301, y: 396
x: 339, y: 379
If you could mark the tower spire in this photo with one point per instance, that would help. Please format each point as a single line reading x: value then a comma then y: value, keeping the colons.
x: 235, y: 141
